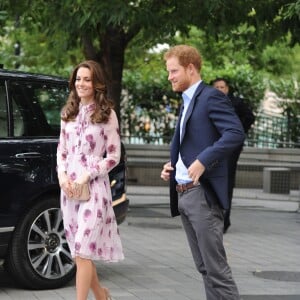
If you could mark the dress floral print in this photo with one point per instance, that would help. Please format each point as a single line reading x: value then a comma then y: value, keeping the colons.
x: 90, y: 226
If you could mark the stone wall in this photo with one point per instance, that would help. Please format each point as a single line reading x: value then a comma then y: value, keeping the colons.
x: 145, y: 163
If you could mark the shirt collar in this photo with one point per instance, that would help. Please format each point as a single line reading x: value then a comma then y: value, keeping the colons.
x: 188, y: 94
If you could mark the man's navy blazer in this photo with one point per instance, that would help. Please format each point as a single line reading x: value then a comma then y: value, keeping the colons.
x: 211, y: 131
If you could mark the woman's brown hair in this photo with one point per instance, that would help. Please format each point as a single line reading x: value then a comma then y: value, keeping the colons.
x: 103, y: 104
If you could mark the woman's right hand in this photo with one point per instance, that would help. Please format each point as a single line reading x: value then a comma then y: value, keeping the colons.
x: 67, y: 188
x: 165, y: 173
x: 65, y: 184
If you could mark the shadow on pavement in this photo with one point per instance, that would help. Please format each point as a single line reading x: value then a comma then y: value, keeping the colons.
x: 5, y: 279
x: 271, y: 297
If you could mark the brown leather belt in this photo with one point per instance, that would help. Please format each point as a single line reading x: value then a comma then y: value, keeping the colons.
x: 180, y: 188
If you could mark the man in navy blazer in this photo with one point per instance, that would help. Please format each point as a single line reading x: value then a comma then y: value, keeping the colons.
x: 207, y: 132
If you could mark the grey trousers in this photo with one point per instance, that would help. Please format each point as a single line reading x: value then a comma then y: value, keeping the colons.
x: 204, y: 229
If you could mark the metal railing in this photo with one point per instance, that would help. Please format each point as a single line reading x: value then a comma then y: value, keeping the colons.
x: 269, y: 131
x: 274, y: 132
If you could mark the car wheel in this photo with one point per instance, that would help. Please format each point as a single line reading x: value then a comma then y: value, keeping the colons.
x: 39, y: 257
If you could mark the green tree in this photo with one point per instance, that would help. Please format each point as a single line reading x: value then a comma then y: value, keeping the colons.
x: 102, y: 29
x: 105, y: 29
x: 37, y: 54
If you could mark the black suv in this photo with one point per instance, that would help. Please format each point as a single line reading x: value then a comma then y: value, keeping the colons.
x: 32, y: 239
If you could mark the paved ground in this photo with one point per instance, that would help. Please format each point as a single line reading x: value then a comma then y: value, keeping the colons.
x: 263, y: 248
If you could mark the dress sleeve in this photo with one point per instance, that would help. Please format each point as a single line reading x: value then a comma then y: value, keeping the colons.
x: 62, y: 151
x: 98, y: 166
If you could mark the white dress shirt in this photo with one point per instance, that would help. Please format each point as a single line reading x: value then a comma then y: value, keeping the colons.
x: 181, y: 175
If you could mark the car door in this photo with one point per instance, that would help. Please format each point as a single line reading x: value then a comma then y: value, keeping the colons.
x: 28, y: 142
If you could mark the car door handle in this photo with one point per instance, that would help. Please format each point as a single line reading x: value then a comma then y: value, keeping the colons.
x: 28, y: 155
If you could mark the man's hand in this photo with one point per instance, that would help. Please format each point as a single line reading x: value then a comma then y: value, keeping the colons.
x: 195, y: 170
x: 165, y: 173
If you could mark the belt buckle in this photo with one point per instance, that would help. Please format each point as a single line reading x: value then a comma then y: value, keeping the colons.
x: 181, y: 188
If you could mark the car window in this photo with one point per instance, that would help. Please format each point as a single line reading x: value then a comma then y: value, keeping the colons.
x: 17, y: 119
x: 36, y: 107
x: 52, y: 100
x: 3, y: 112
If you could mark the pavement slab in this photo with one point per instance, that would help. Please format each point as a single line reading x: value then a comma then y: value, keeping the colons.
x: 262, y: 245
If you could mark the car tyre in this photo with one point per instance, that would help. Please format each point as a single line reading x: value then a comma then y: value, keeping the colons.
x: 39, y: 257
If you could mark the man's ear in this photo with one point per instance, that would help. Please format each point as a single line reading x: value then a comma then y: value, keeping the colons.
x: 191, y: 69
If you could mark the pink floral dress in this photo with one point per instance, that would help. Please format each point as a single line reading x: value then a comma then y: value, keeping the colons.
x: 90, y: 226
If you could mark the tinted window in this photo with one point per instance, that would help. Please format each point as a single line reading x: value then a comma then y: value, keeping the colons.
x: 3, y: 111
x: 36, y: 107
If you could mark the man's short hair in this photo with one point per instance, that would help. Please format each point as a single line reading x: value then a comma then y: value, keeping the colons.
x: 186, y: 55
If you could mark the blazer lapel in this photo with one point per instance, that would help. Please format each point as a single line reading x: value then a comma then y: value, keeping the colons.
x: 176, y: 138
x: 191, y: 107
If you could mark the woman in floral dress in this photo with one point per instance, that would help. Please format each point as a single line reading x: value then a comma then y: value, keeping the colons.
x: 89, y: 131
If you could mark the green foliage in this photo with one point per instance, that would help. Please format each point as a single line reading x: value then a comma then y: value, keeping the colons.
x: 149, y: 97
x: 220, y: 59
x: 149, y: 107
x: 277, y: 59
x: 291, y: 15
x: 38, y: 54
x: 141, y: 78
x: 292, y: 10
x: 289, y: 91
x: 245, y: 41
x: 3, y: 16
x: 244, y: 81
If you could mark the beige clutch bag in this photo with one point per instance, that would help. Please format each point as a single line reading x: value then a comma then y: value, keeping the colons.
x: 80, y: 192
